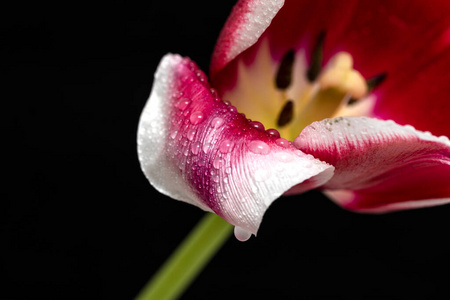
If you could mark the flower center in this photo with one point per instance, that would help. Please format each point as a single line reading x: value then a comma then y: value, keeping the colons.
x: 324, y: 97
x: 291, y: 94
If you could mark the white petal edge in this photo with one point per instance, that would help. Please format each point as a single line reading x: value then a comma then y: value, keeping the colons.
x: 151, y: 138
x: 255, y: 180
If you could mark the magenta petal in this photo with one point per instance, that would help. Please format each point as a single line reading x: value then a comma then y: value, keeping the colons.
x: 244, y: 26
x: 375, y: 33
x: 380, y: 165
x: 195, y: 148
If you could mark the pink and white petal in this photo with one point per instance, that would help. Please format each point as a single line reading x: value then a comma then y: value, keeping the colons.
x: 196, y: 148
x: 375, y: 33
x: 247, y: 21
x: 380, y: 165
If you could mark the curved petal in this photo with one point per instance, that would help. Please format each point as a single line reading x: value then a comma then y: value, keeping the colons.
x: 376, y: 34
x: 195, y: 148
x: 386, y: 166
x: 244, y: 26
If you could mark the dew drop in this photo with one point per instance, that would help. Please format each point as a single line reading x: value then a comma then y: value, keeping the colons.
x: 213, y: 92
x: 184, y: 142
x: 232, y: 108
x: 216, y: 178
x: 228, y: 170
x: 309, y: 156
x: 190, y: 134
x: 206, y: 147
x: 257, y: 125
x: 241, y: 234
x: 259, y: 147
x: 184, y: 103
x: 282, y: 142
x: 226, y: 146
x: 195, y: 148
x: 273, y: 132
x: 284, y: 157
x: 173, y: 134
x: 217, y: 122
x: 197, y: 117
x: 201, y: 76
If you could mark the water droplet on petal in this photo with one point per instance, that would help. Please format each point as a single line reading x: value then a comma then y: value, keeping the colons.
x: 257, y: 125
x: 197, y: 117
x: 184, y: 142
x: 217, y: 163
x: 259, y: 147
x: 217, y: 122
x: 183, y: 104
x: 190, y: 134
x: 173, y: 134
x: 206, y: 147
x: 284, y: 157
x: 213, y: 92
x: 273, y: 132
x: 241, y: 234
x: 226, y: 146
x: 195, y: 148
x: 282, y: 142
x: 216, y: 178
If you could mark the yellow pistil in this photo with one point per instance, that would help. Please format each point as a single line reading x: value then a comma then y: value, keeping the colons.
x: 282, y: 96
x: 343, y: 77
x: 338, y: 83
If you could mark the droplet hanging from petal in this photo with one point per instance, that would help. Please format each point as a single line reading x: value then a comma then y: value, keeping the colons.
x: 241, y: 234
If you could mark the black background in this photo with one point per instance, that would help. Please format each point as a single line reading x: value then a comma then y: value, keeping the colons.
x: 80, y: 221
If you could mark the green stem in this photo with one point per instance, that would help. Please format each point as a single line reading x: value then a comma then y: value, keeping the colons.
x: 188, y: 260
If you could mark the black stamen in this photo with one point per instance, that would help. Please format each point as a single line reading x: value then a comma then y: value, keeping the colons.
x: 352, y: 101
x: 286, y: 114
x: 284, y: 73
x: 316, y: 61
x: 375, y: 81
x: 371, y: 84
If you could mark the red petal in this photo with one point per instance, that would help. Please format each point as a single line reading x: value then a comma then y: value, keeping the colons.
x: 409, y: 41
x: 386, y: 166
x: 195, y: 148
x: 244, y: 26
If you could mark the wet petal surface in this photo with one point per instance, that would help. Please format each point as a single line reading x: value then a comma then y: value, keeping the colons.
x: 375, y: 34
x: 199, y: 149
x: 380, y: 165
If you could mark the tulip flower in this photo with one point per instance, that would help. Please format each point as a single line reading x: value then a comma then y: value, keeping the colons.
x: 348, y: 97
